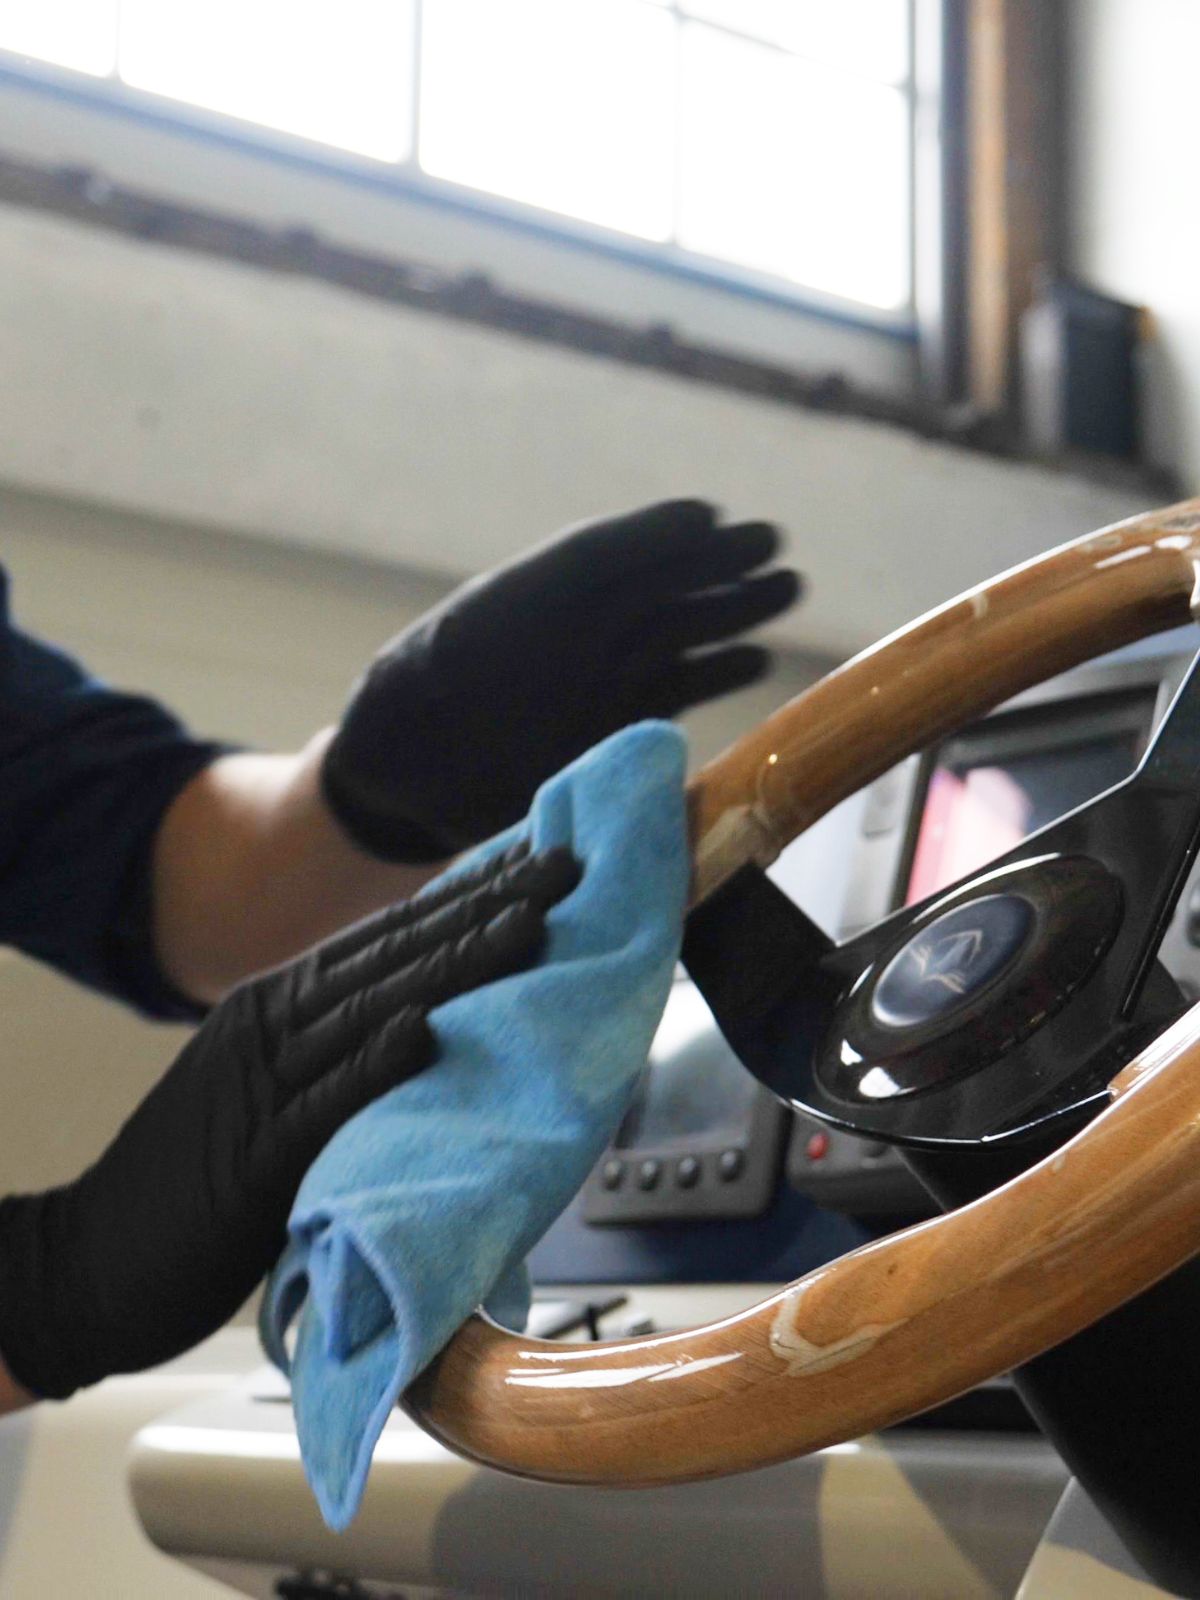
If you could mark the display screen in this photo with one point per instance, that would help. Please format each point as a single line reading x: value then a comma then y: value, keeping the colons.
x: 992, y: 787
x: 695, y: 1090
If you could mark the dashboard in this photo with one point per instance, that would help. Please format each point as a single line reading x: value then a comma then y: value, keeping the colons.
x: 709, y: 1189
x: 711, y: 1179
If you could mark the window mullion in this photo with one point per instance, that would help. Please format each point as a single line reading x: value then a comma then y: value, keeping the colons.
x: 677, y: 130
x: 414, y: 144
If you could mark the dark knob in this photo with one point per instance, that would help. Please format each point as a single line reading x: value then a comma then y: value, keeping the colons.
x: 687, y: 1172
x: 611, y: 1174
x: 730, y: 1164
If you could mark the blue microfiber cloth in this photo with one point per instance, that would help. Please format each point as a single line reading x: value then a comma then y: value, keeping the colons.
x: 425, y: 1205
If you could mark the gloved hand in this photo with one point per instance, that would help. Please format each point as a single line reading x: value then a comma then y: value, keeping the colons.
x: 158, y: 1244
x: 463, y: 715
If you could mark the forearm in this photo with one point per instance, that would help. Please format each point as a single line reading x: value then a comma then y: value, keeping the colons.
x: 12, y: 1396
x: 250, y: 868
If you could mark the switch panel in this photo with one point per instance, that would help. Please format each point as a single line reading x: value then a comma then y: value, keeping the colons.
x: 861, y: 1177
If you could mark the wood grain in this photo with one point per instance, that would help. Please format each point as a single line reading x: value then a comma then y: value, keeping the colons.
x: 874, y: 1337
x: 1095, y: 594
x: 911, y: 1321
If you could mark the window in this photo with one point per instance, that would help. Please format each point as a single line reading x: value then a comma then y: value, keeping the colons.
x: 771, y: 136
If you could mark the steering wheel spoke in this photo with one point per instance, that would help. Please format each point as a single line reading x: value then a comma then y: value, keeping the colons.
x: 1157, y: 813
x: 1146, y: 832
x: 991, y: 1000
x: 759, y: 962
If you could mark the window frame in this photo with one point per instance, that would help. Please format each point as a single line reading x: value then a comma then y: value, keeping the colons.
x: 407, y: 181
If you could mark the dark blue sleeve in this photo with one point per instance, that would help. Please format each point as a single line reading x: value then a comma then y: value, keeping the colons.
x: 86, y: 773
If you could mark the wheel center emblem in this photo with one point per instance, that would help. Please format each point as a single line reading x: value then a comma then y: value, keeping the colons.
x: 951, y: 960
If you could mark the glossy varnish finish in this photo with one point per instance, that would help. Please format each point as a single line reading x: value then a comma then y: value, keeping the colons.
x: 941, y: 671
x: 874, y: 1337
x: 906, y: 1323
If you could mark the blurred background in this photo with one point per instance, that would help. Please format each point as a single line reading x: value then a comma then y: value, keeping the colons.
x: 311, y: 308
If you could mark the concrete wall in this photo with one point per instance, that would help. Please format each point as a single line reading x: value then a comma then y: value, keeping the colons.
x: 273, y: 180
x: 257, y: 642
x: 1134, y: 225
x: 248, y: 641
x: 156, y: 406
x: 138, y: 377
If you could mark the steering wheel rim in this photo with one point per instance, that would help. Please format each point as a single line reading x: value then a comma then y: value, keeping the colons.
x: 911, y: 1321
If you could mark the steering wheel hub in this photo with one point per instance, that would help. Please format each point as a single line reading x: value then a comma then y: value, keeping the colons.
x: 1023, y: 1013
x: 951, y: 960
x: 948, y: 992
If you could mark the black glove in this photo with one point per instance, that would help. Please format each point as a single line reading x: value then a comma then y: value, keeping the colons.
x: 162, y: 1240
x: 462, y: 716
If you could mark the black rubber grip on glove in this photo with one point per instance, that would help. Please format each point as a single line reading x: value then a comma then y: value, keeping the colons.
x: 463, y: 715
x: 158, y: 1243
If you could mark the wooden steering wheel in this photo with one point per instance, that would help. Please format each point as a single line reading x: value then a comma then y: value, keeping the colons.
x: 913, y: 1320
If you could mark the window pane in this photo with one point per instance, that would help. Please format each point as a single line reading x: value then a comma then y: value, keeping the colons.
x: 338, y: 71
x: 794, y: 170
x: 72, y: 33
x: 566, y: 106
x: 869, y: 37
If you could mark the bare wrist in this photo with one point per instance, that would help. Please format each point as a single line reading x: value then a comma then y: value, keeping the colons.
x: 12, y: 1396
x: 251, y: 867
